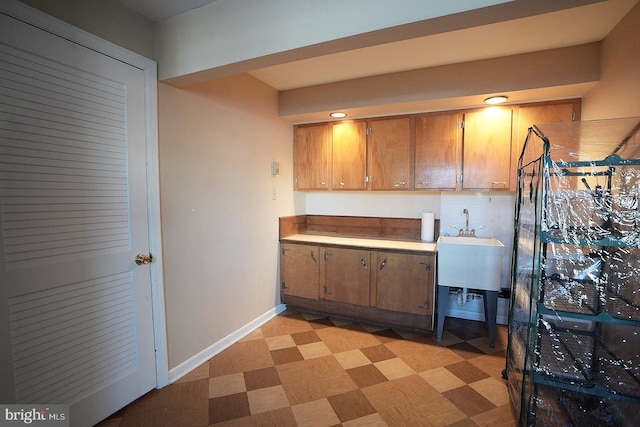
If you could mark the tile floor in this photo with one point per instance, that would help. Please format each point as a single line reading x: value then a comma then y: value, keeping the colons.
x: 305, y: 370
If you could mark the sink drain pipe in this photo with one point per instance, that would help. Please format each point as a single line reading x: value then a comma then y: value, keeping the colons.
x: 463, y: 296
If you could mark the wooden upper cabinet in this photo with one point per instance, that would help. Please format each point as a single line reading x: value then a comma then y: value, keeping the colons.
x: 311, y: 157
x: 486, y: 146
x: 349, y: 159
x: 529, y: 115
x: 436, y: 152
x: 390, y: 154
x: 405, y: 282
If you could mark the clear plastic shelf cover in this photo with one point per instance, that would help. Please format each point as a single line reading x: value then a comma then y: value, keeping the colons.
x: 574, y: 323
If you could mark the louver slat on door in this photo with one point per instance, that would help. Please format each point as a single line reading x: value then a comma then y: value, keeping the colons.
x: 64, y: 196
x: 63, y: 165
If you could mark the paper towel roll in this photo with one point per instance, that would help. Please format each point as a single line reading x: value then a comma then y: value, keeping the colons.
x: 428, y: 221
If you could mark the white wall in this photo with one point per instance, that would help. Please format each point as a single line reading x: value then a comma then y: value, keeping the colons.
x: 219, y: 219
x: 617, y: 94
x: 107, y: 19
x: 362, y: 203
x: 238, y: 34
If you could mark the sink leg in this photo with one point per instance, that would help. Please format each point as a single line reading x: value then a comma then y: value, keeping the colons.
x: 490, y: 314
x: 443, y: 295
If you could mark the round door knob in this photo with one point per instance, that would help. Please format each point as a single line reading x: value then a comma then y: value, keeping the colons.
x: 143, y: 259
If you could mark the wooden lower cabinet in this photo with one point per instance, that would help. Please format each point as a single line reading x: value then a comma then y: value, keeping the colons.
x: 299, y: 270
x: 346, y: 275
x: 404, y: 282
x: 380, y: 287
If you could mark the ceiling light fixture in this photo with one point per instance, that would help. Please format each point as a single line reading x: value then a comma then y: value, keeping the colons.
x: 495, y: 99
x: 338, y: 115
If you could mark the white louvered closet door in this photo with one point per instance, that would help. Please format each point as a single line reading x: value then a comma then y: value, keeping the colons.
x: 75, y: 310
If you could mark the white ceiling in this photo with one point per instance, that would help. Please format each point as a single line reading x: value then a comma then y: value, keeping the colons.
x: 158, y: 10
x: 541, y: 32
x: 547, y: 31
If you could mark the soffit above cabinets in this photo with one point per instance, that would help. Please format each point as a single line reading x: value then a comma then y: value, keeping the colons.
x: 351, y: 44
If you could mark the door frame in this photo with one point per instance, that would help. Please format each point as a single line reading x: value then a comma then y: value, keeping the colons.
x: 67, y: 31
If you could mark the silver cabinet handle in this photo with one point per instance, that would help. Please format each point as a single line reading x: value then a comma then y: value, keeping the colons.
x: 323, y: 183
x: 384, y: 262
x: 313, y: 257
x: 427, y: 265
x: 399, y: 183
x: 498, y: 183
x: 326, y: 290
x: 364, y: 264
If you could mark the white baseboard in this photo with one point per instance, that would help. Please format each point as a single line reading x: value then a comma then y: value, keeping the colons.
x: 193, y: 362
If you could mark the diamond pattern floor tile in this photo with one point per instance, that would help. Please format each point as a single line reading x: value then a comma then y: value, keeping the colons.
x: 303, y: 369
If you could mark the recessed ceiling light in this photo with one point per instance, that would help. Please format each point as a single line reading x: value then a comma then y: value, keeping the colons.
x: 338, y: 115
x: 496, y: 99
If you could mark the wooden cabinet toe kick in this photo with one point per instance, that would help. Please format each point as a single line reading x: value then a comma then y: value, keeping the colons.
x: 365, y: 314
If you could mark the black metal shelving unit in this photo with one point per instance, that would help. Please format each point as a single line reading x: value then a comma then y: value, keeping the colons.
x: 573, y: 356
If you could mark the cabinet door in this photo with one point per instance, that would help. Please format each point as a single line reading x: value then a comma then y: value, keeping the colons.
x: 529, y: 115
x: 405, y: 282
x: 299, y: 270
x: 487, y: 149
x: 349, y: 158
x: 436, y: 159
x: 311, y: 154
x: 346, y: 275
x: 389, y: 150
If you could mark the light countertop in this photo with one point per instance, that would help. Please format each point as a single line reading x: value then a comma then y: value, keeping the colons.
x: 363, y: 242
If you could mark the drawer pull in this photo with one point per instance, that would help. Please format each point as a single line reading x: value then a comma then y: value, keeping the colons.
x: 384, y: 262
x: 313, y: 257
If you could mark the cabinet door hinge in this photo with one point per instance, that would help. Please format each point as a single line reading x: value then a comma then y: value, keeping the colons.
x: 426, y: 305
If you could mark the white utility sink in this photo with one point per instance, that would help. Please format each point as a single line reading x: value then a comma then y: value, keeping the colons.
x: 470, y: 262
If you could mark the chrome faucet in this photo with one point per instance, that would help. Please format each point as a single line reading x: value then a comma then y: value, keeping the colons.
x: 466, y: 224
x: 465, y: 231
